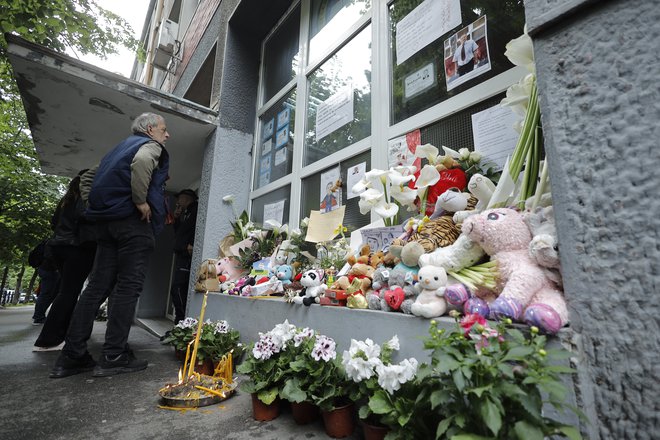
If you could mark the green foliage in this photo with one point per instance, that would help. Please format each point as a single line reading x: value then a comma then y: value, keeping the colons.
x: 182, y: 334
x: 488, y: 383
x: 27, y: 196
x: 215, y: 341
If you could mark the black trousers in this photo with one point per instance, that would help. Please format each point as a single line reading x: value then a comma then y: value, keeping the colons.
x: 466, y: 68
x: 74, y: 264
x: 179, y: 289
x: 122, y: 254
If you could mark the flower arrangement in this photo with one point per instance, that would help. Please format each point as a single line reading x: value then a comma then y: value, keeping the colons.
x: 182, y: 334
x: 486, y: 382
x: 315, y: 373
x: 267, y: 361
x: 377, y: 380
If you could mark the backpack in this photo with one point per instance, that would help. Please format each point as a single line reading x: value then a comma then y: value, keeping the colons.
x: 37, y: 255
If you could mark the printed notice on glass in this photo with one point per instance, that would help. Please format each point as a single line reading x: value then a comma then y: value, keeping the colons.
x: 334, y: 112
x: 274, y: 211
x: 266, y: 147
x: 425, y: 24
x: 280, y: 156
x: 353, y: 176
x: 494, y: 135
x: 419, y: 81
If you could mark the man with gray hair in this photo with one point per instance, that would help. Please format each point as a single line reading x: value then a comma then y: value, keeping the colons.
x: 126, y: 198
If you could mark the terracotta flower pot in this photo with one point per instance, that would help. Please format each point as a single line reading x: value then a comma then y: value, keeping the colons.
x: 304, y: 412
x: 374, y: 432
x: 262, y: 412
x: 205, y: 367
x: 180, y: 354
x: 339, y: 421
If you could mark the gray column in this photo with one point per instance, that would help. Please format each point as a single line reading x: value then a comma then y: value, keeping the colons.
x: 599, y: 74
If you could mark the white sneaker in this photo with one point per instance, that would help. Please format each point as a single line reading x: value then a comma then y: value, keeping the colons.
x: 55, y: 348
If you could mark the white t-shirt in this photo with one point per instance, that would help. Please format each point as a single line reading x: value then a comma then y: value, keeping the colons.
x: 470, y: 47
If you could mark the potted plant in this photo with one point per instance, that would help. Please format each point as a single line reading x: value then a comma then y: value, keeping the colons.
x: 315, y: 377
x: 180, y: 336
x: 484, y: 382
x: 218, y: 339
x: 265, y: 365
x: 378, y: 383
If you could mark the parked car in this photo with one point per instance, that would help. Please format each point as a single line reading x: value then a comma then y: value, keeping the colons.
x: 21, y: 298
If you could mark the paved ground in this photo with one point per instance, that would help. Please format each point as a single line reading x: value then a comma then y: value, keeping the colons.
x: 120, y: 407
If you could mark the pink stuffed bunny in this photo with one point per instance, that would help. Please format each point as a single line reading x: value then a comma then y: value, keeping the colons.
x: 526, y: 292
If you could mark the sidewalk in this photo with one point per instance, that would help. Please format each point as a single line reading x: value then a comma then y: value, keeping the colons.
x: 120, y: 407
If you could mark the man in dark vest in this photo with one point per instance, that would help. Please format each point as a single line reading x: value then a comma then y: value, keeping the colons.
x: 185, y: 216
x: 126, y: 199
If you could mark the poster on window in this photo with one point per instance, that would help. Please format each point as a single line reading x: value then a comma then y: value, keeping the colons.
x: 425, y: 24
x: 419, y: 81
x: 283, y: 117
x: 466, y: 54
x: 282, y: 137
x: 274, y: 211
x: 354, y: 174
x: 266, y: 147
x: 494, y: 135
x: 401, y: 150
x: 330, y: 190
x: 268, y: 129
x: 334, y: 112
x: 280, y: 156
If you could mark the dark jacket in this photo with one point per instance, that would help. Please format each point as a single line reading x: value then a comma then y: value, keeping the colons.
x: 71, y: 228
x: 184, y: 229
x: 111, y: 198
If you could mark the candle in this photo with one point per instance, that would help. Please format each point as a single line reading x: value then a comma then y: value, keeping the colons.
x: 185, y: 364
x: 200, y: 323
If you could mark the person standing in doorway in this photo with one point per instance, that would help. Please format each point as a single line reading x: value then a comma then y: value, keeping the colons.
x: 127, y: 202
x: 42, y: 260
x: 185, y: 220
x: 464, y: 55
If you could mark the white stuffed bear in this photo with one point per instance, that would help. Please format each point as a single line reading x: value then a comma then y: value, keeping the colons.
x: 430, y: 303
x: 312, y: 281
x: 459, y: 255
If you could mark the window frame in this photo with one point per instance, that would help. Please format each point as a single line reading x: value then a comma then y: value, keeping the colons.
x: 381, y: 130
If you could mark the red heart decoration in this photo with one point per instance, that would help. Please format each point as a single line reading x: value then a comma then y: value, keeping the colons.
x: 395, y: 297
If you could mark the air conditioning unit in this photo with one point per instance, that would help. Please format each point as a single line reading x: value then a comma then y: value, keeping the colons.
x: 166, y: 44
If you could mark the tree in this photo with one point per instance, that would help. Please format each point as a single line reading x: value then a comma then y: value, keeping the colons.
x: 27, y: 196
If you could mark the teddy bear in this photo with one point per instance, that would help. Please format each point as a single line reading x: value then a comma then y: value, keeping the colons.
x: 430, y: 302
x: 439, y: 231
x: 365, y: 256
x: 283, y: 273
x: 207, y: 277
x: 313, y: 287
x: 525, y: 292
x: 544, y: 246
x: 397, y: 294
x: 379, y: 281
x: 228, y: 269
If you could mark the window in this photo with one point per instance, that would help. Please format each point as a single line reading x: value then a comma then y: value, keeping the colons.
x: 360, y: 87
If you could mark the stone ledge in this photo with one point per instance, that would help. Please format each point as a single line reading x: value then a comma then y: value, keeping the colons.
x: 541, y: 14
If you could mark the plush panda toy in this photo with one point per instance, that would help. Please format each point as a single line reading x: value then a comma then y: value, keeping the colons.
x: 312, y: 281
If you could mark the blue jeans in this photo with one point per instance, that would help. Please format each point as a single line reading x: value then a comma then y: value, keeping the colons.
x: 122, y: 253
x: 50, y: 281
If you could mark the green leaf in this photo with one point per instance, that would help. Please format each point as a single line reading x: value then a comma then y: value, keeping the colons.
x: 380, y: 403
x: 526, y: 431
x: 479, y: 391
x: 518, y: 353
x: 443, y: 426
x: 268, y: 396
x: 459, y: 381
x: 570, y: 432
x: 292, y: 391
x: 438, y: 397
x: 470, y: 437
x: 491, y: 416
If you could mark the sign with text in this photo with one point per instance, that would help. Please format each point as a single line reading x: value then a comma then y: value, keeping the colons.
x: 334, y: 112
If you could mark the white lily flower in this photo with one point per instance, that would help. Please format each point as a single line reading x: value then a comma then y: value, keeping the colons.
x: 427, y: 151
x: 520, y: 51
x: 365, y: 207
x: 429, y: 176
x: 375, y: 174
x: 295, y: 232
x: 386, y: 210
x: 362, y: 185
x: 517, y: 95
x: 273, y: 224
x: 398, y: 179
x: 449, y: 152
x: 372, y: 196
x: 404, y: 195
x: 304, y: 222
x: 229, y: 198
x: 405, y: 170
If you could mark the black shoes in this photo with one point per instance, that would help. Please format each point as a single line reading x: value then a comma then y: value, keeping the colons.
x: 122, y: 363
x: 67, y: 366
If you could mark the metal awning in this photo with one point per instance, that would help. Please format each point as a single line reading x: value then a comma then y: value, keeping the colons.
x: 77, y: 112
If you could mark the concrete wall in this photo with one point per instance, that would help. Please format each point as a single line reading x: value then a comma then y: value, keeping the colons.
x: 598, y: 77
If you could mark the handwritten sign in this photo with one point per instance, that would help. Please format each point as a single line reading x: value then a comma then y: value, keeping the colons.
x: 381, y: 238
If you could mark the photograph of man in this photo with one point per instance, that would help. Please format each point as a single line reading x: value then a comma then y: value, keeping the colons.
x: 464, y: 54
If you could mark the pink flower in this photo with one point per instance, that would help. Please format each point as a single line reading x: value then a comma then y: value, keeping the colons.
x: 470, y: 320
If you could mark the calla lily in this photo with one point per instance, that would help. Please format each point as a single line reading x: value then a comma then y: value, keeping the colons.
x: 449, y: 152
x: 360, y: 186
x: 429, y: 176
x: 375, y: 174
x: 404, y: 195
x: 365, y: 207
x: 405, y: 170
x: 372, y: 196
x: 427, y: 151
x: 520, y: 51
x: 399, y: 180
x: 229, y: 198
x: 386, y: 210
x: 517, y: 95
x: 273, y: 224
